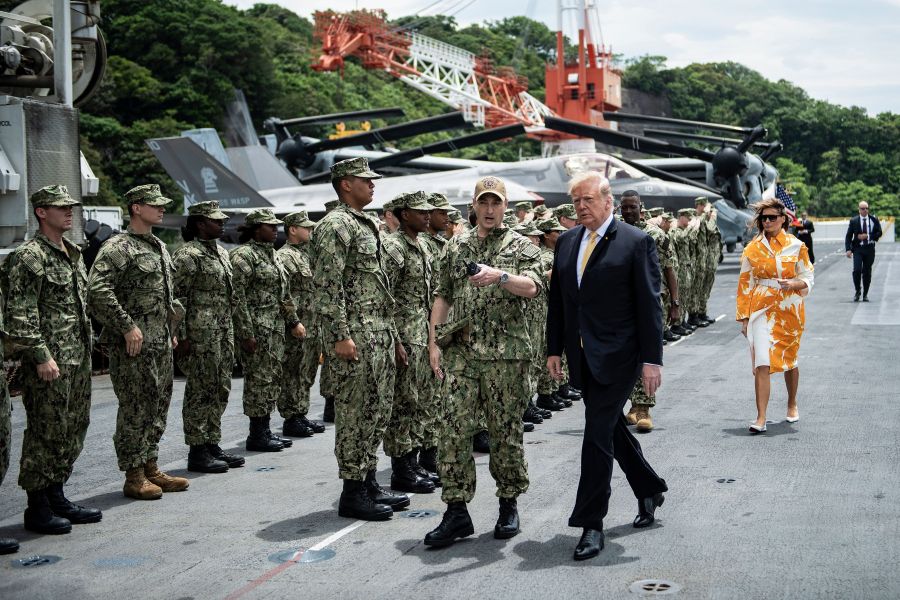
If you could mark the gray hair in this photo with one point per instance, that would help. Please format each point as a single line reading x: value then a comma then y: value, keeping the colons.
x: 585, y: 176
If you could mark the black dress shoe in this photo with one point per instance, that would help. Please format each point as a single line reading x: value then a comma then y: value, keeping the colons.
x: 63, y: 507
x: 8, y: 545
x: 856, y: 297
x: 646, y: 509
x: 508, y: 522
x: 456, y: 524
x: 232, y: 460
x: 865, y: 298
x: 590, y: 544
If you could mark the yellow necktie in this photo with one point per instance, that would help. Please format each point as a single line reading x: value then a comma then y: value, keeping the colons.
x: 592, y: 242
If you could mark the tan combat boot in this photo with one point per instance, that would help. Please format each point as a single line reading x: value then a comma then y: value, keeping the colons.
x: 166, y: 482
x: 644, y: 422
x: 137, y: 486
x: 631, y: 415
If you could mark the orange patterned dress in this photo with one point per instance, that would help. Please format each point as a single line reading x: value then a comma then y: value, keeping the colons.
x: 776, y: 317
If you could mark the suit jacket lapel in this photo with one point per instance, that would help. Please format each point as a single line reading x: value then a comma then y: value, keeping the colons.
x: 573, y: 253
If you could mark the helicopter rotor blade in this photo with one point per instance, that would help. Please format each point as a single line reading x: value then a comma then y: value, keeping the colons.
x: 666, y: 176
x: 758, y: 133
x: 625, y: 140
x: 771, y: 150
x: 680, y: 123
x: 454, y: 120
x: 694, y: 137
x: 358, y: 115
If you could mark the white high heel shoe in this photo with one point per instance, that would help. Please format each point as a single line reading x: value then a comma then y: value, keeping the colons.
x: 793, y: 419
x: 754, y: 428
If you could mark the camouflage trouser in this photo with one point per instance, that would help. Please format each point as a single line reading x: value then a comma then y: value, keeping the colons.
x: 412, y: 404
x: 5, y: 425
x: 498, y: 388
x: 708, y: 281
x: 432, y: 430
x: 326, y: 382
x: 208, y: 369
x: 58, y: 413
x: 301, y: 359
x: 639, y: 397
x: 364, y: 392
x: 143, y: 385
x: 685, y: 290
x: 262, y: 373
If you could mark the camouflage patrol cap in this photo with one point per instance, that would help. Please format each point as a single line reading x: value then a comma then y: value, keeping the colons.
x: 565, y: 210
x: 52, y: 195
x: 645, y: 214
x: 668, y: 216
x: 331, y: 205
x: 510, y: 220
x: 148, y: 194
x: 523, y: 205
x: 262, y: 216
x: 413, y: 201
x: 656, y: 211
x: 209, y: 209
x: 541, y: 210
x: 490, y: 185
x: 701, y: 200
x: 455, y: 216
x: 299, y: 219
x: 439, y: 201
x: 389, y: 206
x: 527, y: 229
x: 508, y: 212
x: 548, y: 225
x: 686, y: 212
x: 357, y: 167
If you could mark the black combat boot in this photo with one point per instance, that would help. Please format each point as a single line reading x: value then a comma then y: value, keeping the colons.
x: 39, y: 518
x: 356, y: 503
x: 696, y: 321
x: 568, y: 392
x: 545, y: 414
x: 481, y: 442
x: 62, y: 507
x: 456, y: 524
x: 548, y: 402
x: 680, y: 330
x: 201, y: 461
x: 295, y: 427
x: 566, y: 402
x: 314, y: 425
x: 531, y: 415
x: 508, y: 522
x: 705, y: 317
x: 285, y: 442
x: 527, y: 427
x: 379, y: 495
x: 8, y: 545
x: 328, y: 413
x: 418, y: 469
x: 428, y: 463
x: 670, y: 336
x: 405, y: 479
x: 232, y: 460
x: 259, y: 439
x: 687, y: 325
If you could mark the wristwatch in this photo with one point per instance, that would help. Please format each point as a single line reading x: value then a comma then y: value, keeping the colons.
x: 504, y: 277
x: 676, y: 303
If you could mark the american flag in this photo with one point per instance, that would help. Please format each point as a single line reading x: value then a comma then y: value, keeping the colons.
x: 785, y: 198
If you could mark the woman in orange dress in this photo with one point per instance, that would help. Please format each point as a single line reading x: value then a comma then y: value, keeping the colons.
x: 776, y: 275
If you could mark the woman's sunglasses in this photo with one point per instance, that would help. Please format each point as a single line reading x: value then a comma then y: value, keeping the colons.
x: 770, y: 217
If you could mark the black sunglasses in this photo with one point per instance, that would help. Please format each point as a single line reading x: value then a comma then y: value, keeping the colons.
x: 769, y: 217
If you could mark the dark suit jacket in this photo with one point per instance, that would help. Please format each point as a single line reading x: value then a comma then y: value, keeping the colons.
x: 851, y: 242
x: 615, y: 313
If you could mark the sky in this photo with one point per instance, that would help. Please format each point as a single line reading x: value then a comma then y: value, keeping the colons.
x: 844, y: 52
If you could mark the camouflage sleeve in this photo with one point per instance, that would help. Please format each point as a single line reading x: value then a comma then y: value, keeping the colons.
x: 530, y: 264
x: 183, y: 269
x: 666, y: 252
x: 102, y: 302
x: 288, y: 308
x: 443, y: 282
x: 395, y: 261
x: 243, y: 323
x: 22, y: 316
x: 331, y: 249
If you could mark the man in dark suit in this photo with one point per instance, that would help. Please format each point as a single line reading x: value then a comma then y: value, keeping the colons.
x: 604, y: 313
x: 863, y: 232
x: 803, y: 229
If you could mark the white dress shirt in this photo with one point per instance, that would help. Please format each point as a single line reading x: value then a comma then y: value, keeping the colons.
x: 865, y: 226
x: 584, y: 242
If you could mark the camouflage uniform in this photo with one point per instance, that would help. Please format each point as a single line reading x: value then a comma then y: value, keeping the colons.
x: 410, y: 274
x: 485, y: 361
x: 327, y: 385
x: 667, y: 259
x: 263, y: 311
x: 301, y: 357
x: 686, y: 249
x: 546, y: 385
x: 353, y: 301
x: 711, y: 239
x: 130, y: 285
x: 202, y: 283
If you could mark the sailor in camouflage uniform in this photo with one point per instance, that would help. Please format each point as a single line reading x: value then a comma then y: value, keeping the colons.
x: 205, y: 351
x: 355, y: 310
x: 685, y: 238
x: 47, y: 326
x: 130, y: 294
x: 487, y: 349
x: 410, y: 275
x: 301, y: 356
x: 7, y: 545
x: 263, y: 313
x: 711, y: 238
x: 639, y: 414
x: 326, y: 385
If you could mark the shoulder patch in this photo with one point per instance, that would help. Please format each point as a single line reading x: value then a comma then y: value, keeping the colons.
x: 394, y: 252
x: 31, y: 257
x: 530, y: 251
